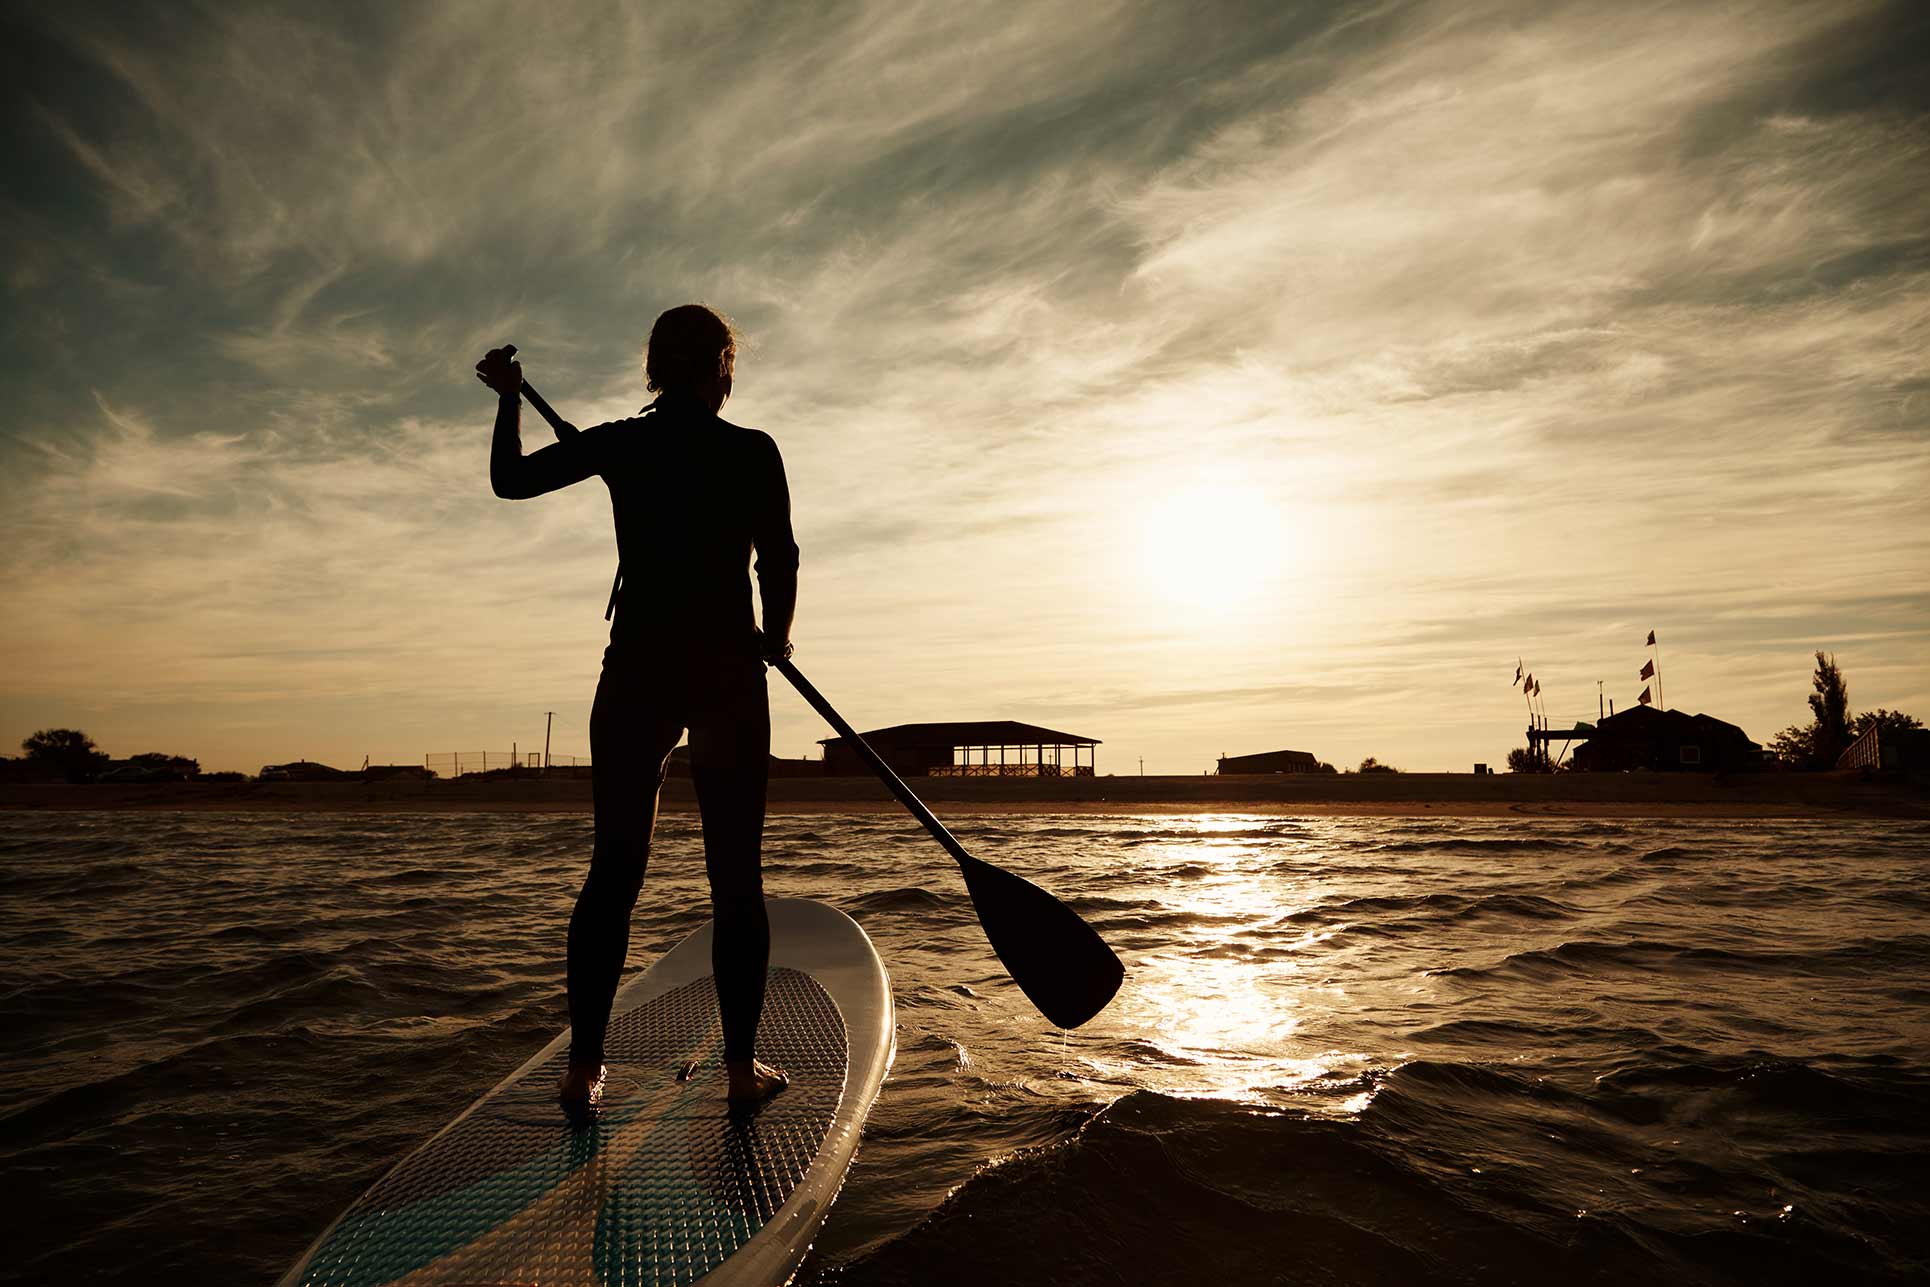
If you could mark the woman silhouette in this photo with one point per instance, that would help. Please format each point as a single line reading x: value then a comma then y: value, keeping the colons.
x: 693, y: 497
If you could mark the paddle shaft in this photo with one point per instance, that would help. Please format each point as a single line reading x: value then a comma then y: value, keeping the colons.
x: 563, y: 428
x: 874, y: 760
x: 1058, y: 961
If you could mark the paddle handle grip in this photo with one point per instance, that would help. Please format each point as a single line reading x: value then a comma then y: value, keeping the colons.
x: 875, y: 761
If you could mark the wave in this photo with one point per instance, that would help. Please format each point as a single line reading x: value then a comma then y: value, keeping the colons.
x: 901, y: 899
x: 1450, y: 844
x: 1436, y: 909
x: 1578, y: 956
x: 1161, y: 1190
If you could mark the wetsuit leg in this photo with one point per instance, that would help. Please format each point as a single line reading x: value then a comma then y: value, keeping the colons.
x: 632, y: 730
x: 730, y: 746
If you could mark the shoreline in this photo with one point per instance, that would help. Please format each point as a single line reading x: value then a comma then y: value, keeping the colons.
x: 1781, y: 795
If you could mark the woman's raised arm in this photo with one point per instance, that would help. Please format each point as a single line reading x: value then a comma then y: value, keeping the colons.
x: 512, y: 475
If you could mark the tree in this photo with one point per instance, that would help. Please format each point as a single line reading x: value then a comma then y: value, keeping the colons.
x: 1829, y: 707
x: 1372, y: 765
x: 1326, y: 767
x: 1793, y: 746
x: 66, y: 750
x: 1889, y: 721
x: 1816, y: 745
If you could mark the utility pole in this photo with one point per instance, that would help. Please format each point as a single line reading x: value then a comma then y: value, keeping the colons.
x: 548, y: 717
x: 1142, y: 766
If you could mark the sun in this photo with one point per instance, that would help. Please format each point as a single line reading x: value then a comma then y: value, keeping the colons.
x: 1212, y: 546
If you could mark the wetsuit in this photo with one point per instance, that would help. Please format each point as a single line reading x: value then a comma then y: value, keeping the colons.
x: 693, y: 496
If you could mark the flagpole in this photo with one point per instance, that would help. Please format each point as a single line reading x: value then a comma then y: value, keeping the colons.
x: 1658, y: 676
x: 1528, y: 695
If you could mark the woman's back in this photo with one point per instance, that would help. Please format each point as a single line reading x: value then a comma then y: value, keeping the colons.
x: 693, y: 496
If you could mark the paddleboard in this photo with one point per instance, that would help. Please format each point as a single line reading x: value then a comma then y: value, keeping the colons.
x: 665, y: 1185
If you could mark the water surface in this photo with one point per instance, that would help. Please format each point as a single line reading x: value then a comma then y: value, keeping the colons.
x: 1348, y: 1050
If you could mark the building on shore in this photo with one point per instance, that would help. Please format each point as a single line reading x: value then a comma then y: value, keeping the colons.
x: 1271, y: 762
x: 1643, y: 737
x: 968, y: 748
x: 302, y: 771
x: 678, y: 766
x: 22, y: 769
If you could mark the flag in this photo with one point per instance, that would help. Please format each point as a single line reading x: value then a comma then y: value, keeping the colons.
x: 1528, y: 689
x: 1537, y: 690
x: 1517, y: 678
x: 1648, y: 670
x: 1651, y: 642
x: 1644, y: 698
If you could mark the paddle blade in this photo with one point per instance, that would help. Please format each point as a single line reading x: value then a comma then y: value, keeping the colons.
x: 1058, y: 960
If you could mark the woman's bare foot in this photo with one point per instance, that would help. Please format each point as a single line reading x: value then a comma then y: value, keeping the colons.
x: 752, y: 1081
x: 582, y: 1085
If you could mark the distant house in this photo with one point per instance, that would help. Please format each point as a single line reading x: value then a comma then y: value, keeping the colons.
x: 967, y: 748
x: 1271, y: 762
x: 1643, y: 737
x: 679, y: 766
x: 19, y: 768
x: 302, y: 771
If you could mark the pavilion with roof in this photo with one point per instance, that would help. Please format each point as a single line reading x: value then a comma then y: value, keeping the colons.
x: 969, y: 748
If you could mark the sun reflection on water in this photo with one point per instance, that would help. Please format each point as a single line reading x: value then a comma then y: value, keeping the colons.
x: 1235, y: 1004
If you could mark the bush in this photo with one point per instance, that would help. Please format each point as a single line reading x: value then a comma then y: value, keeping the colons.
x: 1527, y: 759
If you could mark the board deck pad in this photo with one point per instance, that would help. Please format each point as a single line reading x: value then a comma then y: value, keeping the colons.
x: 660, y: 1188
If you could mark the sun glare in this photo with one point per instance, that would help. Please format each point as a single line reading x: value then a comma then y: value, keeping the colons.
x: 1212, y: 547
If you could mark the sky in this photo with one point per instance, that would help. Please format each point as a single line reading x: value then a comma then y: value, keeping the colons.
x: 1201, y: 379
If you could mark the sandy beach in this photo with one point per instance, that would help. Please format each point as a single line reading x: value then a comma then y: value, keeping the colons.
x: 1782, y: 795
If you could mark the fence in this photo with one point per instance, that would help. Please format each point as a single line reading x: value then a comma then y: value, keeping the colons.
x: 1020, y: 770
x: 455, y: 764
x: 1866, y: 752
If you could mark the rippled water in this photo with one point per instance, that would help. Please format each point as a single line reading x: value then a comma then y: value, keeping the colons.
x: 1347, y: 1050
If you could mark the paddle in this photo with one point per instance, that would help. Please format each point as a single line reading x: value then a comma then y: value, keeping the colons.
x: 1058, y: 960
